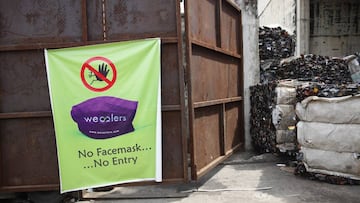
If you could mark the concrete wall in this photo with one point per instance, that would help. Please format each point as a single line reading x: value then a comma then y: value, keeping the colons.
x: 324, y: 27
x: 273, y: 13
x: 250, y: 56
x: 334, y: 27
x: 302, y: 27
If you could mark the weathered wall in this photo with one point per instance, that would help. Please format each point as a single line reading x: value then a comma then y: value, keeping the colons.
x: 250, y: 56
x: 334, y: 27
x: 273, y: 13
x: 324, y: 27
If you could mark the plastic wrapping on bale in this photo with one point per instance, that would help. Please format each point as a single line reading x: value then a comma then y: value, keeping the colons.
x: 261, y: 128
x: 286, y: 147
x: 285, y: 95
x: 286, y: 136
x: 283, y: 116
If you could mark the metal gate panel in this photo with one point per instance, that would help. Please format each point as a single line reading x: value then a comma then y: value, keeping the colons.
x: 124, y: 19
x: 28, y: 154
x: 24, y: 81
x: 170, y: 91
x: 141, y: 17
x: 212, y: 77
x: 207, y: 142
x: 173, y: 154
x: 173, y: 114
x: 233, y: 116
x: 215, y: 75
x: 39, y: 21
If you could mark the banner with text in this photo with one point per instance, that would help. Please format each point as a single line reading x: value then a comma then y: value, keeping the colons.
x: 106, y: 108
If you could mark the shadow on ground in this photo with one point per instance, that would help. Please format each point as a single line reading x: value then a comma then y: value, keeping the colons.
x: 244, y: 177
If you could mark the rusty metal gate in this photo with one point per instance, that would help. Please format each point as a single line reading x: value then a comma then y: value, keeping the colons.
x: 214, y: 66
x: 28, y: 159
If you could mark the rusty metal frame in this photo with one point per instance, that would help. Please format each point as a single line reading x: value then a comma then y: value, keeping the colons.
x: 178, y: 109
x: 220, y: 104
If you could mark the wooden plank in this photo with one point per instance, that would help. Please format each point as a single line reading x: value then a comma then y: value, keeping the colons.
x: 216, y: 102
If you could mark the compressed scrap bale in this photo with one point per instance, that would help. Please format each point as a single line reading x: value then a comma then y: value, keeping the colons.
x: 264, y: 135
x: 285, y: 121
x: 345, y: 110
x: 328, y: 136
x: 286, y: 147
x: 261, y: 128
x: 283, y: 117
x: 285, y: 95
x: 285, y: 136
x: 300, y: 170
x: 331, y: 163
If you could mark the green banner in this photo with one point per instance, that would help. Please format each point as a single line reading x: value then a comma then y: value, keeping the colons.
x: 107, y: 113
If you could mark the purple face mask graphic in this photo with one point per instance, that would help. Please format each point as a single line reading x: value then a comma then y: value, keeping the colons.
x: 104, y: 117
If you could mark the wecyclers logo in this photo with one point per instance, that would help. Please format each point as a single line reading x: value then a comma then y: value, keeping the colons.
x: 102, y: 117
x: 105, y: 119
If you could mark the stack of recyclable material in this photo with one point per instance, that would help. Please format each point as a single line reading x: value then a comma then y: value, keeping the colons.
x: 275, y: 43
x: 313, y: 68
x: 326, y: 90
x: 328, y: 133
x: 261, y: 128
x: 283, y: 115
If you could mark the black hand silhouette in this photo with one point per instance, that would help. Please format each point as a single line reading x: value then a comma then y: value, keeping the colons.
x: 103, y: 70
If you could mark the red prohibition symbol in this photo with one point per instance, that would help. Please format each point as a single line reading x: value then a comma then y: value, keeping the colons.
x: 99, y: 74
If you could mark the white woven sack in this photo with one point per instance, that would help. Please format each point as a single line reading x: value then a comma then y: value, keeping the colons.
x: 327, y: 136
x: 332, y: 163
x: 345, y: 110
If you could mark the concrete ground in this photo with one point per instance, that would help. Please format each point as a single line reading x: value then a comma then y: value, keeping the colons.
x: 242, y: 178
